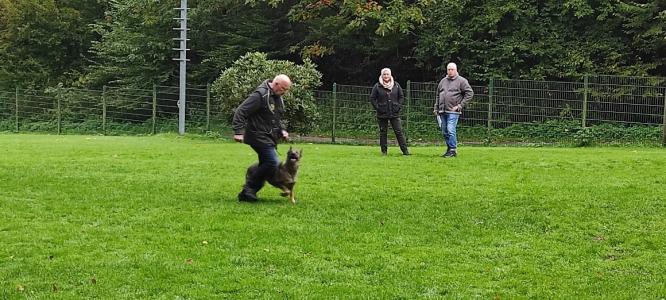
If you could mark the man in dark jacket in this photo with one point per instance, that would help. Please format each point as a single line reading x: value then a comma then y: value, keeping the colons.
x: 387, y: 99
x: 453, y: 93
x: 258, y: 123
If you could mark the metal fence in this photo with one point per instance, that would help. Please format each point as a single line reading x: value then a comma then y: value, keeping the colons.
x: 633, y: 109
x: 109, y: 111
x: 515, y: 111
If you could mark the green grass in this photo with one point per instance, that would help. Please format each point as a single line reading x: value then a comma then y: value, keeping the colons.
x: 157, y: 217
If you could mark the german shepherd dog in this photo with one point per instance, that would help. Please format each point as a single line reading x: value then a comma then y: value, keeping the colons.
x: 285, y: 175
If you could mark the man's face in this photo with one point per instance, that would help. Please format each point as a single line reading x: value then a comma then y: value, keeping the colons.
x: 452, y: 71
x: 280, y: 87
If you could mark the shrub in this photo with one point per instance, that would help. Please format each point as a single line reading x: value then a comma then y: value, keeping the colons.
x: 238, y: 81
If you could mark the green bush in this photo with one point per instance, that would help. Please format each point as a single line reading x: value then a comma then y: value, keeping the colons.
x: 238, y: 81
x: 618, y: 134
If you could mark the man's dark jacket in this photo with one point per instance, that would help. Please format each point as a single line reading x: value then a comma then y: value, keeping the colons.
x: 259, y: 117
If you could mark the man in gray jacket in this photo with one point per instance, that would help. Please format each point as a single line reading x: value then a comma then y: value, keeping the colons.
x: 258, y: 123
x: 453, y: 93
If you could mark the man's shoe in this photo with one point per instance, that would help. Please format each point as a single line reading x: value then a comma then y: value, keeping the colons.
x: 450, y: 154
x: 406, y: 153
x: 383, y: 153
x: 247, y: 196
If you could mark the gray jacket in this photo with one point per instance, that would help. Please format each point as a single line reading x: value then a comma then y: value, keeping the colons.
x: 452, y: 92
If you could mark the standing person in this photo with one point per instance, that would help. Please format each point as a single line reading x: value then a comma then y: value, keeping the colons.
x: 453, y: 94
x: 258, y: 123
x: 387, y: 98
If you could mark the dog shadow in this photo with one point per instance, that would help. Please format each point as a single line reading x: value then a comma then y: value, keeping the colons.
x: 265, y: 201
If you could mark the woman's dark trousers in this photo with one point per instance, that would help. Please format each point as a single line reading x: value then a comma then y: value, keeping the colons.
x: 397, y: 128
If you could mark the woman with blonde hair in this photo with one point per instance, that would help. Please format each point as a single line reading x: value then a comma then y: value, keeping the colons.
x: 387, y: 98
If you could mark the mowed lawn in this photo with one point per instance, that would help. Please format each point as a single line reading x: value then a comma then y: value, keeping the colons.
x: 157, y: 217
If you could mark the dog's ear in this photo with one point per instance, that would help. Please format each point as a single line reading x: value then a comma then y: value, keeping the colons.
x: 290, y: 149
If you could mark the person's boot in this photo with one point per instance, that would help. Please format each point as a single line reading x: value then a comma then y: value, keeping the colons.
x: 450, y: 153
x: 404, y: 150
x: 447, y: 152
x: 247, y: 195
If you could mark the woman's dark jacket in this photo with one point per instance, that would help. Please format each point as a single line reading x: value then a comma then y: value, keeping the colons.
x: 387, y: 103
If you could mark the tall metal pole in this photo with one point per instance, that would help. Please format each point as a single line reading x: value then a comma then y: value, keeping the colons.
x: 182, y: 58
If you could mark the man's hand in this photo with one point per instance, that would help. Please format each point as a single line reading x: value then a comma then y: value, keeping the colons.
x: 435, y: 112
x: 457, y: 108
x: 238, y: 138
x: 285, y: 134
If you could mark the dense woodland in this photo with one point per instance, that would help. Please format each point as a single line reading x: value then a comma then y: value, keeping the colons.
x: 91, y: 43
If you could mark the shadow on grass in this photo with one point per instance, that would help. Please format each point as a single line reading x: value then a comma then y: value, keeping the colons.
x: 267, y: 201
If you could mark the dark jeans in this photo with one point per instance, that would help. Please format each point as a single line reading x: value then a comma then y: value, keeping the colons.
x: 268, y: 164
x: 383, y: 132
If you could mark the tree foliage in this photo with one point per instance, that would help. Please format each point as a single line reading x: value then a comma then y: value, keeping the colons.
x: 135, y: 48
x: 223, y: 31
x: 45, y: 42
x: 538, y: 39
x: 489, y: 38
x: 129, y: 42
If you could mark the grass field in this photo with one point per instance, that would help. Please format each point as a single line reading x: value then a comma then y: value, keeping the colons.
x: 157, y: 217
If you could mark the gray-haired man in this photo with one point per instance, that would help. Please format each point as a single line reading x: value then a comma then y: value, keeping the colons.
x: 258, y: 123
x: 453, y: 93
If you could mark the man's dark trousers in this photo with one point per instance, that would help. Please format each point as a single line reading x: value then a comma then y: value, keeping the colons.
x: 268, y: 164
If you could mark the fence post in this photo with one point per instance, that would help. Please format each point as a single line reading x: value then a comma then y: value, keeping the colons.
x: 334, y: 109
x: 104, y: 110
x: 207, y: 106
x: 154, y: 108
x: 663, y: 139
x: 16, y: 111
x: 409, y: 100
x: 491, y: 91
x: 585, y: 93
x: 59, y: 112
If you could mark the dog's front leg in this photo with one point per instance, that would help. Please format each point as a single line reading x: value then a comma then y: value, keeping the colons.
x: 285, y: 191
x: 292, y: 197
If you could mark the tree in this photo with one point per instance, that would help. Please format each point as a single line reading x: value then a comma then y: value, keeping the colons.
x: 43, y: 42
x: 352, y: 40
x: 223, y: 31
x: 135, y: 45
x: 535, y: 39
